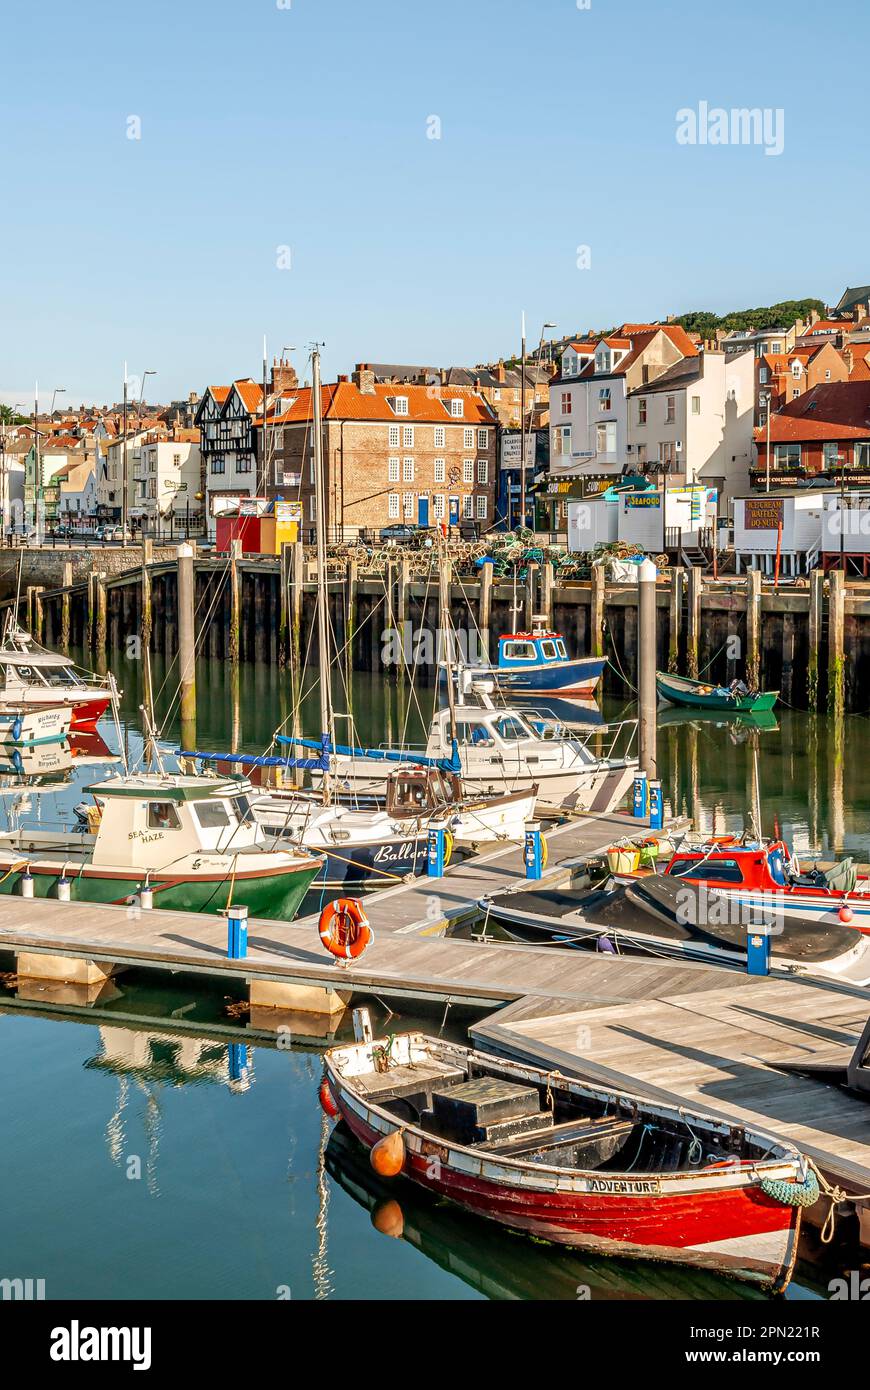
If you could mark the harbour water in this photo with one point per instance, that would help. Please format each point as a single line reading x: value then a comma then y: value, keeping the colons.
x: 148, y: 1151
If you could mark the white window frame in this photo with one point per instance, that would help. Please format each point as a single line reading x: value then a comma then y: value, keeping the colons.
x: 440, y: 439
x: 468, y: 470
x: 481, y: 506
x: 468, y: 507
x: 438, y: 510
x: 457, y: 409
x: 468, y: 437
x: 409, y: 505
x: 394, y: 437
x: 407, y: 470
x: 393, y: 470
x: 440, y: 471
x: 483, y: 470
x: 393, y: 506
x: 408, y: 436
x: 400, y: 404
x: 483, y: 439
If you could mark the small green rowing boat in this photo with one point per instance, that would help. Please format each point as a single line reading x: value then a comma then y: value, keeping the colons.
x: 735, y: 699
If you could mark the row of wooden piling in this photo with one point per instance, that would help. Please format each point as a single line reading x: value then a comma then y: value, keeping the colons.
x: 489, y: 599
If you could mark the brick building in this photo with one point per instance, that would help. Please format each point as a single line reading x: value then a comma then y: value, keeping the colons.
x: 823, y: 432
x: 786, y: 376
x: 392, y: 452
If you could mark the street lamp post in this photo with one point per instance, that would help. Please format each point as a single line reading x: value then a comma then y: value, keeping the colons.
x: 765, y: 400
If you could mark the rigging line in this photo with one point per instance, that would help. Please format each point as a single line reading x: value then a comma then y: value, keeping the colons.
x: 199, y: 637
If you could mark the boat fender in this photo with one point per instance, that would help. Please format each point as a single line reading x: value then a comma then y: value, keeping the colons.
x: 604, y: 944
x: 344, y: 928
x: 793, y: 1194
x: 845, y: 914
x: 388, y: 1218
x: 327, y: 1104
x: 388, y: 1155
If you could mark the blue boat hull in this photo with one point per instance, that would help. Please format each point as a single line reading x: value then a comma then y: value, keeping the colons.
x: 578, y: 678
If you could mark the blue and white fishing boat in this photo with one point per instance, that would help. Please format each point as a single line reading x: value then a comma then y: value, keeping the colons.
x: 537, y: 663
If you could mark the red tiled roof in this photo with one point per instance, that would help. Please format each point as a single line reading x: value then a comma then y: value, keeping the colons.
x: 860, y: 367
x: 677, y: 334
x: 826, y: 326
x: 344, y: 401
x: 219, y: 393
x: 836, y: 410
x: 250, y: 392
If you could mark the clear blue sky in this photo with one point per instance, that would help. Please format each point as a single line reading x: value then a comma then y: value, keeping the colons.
x: 305, y: 127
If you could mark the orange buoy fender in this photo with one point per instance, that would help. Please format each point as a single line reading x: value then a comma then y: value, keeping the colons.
x: 845, y: 914
x: 344, y: 928
x: 388, y: 1218
x: 388, y: 1155
x: 327, y: 1104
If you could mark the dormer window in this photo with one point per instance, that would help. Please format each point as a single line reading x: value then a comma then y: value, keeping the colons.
x: 457, y: 409
x: 400, y: 405
x: 796, y: 370
x: 602, y: 360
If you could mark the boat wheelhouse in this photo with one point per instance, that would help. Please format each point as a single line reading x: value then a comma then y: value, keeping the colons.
x: 537, y: 663
x: 30, y: 675
x: 497, y: 748
x: 764, y: 873
x: 191, y: 840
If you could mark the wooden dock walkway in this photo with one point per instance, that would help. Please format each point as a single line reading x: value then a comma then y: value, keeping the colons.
x: 697, y: 1035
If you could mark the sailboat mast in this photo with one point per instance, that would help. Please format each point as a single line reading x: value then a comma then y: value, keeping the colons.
x: 324, y: 683
x: 447, y: 628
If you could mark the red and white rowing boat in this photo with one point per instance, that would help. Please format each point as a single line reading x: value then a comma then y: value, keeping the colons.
x: 573, y: 1163
x: 32, y: 676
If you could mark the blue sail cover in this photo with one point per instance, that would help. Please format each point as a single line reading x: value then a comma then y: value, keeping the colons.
x: 386, y: 755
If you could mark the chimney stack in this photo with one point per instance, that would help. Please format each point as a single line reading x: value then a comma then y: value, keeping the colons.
x: 500, y: 373
x: 283, y: 379
x: 364, y: 379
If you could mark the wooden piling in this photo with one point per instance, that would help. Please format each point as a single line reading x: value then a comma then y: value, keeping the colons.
x: 675, y: 617
x: 284, y: 576
x: 753, y: 629
x: 187, y: 643
x: 38, y: 628
x: 235, y: 601
x: 485, y: 615
x: 646, y: 666
x: 65, y: 605
x: 531, y: 575
x: 693, y: 625
x: 836, y: 643
x: 547, y: 583
x: 596, y: 636
x: 814, y: 637
x: 100, y: 612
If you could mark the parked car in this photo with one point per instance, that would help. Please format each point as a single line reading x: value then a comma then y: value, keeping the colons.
x: 408, y: 533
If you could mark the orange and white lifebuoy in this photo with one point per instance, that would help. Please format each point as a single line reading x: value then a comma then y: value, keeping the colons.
x: 344, y: 928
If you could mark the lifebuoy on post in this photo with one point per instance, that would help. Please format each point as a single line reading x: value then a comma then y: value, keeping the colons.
x: 344, y: 928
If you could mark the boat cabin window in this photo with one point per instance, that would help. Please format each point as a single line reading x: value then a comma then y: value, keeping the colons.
x: 409, y: 793
x: 212, y: 815
x: 519, y: 651
x: 242, y: 807
x: 560, y: 647
x: 718, y: 870
x: 162, y: 815
x: 549, y: 651
x: 510, y: 729
x: 478, y: 735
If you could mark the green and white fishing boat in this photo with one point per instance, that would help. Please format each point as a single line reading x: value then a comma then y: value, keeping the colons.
x: 190, y: 840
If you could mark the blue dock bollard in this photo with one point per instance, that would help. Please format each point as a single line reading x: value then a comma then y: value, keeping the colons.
x: 758, y: 949
x: 656, y: 806
x: 238, y: 1062
x: 436, y: 849
x: 639, y: 795
x: 237, y: 932
x: 534, y: 850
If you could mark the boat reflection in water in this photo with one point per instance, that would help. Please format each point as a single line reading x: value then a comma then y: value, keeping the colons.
x: 496, y: 1264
